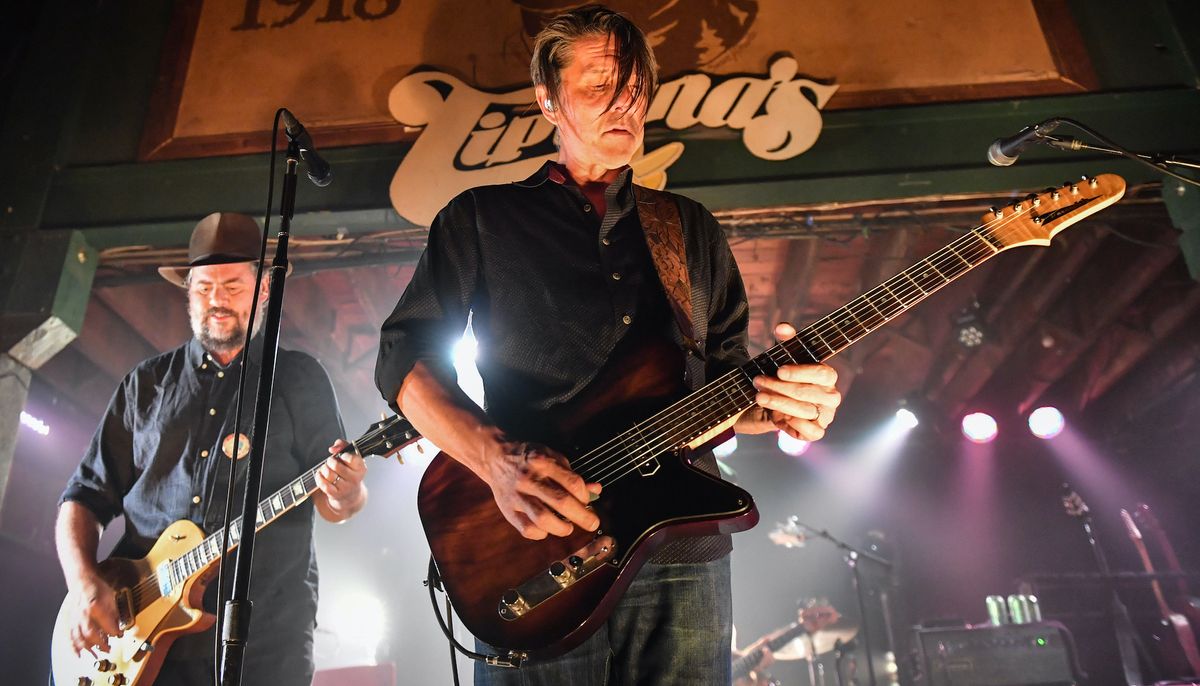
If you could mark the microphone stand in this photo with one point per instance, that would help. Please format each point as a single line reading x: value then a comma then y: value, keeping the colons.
x: 238, y: 607
x: 1068, y: 143
x: 852, y: 556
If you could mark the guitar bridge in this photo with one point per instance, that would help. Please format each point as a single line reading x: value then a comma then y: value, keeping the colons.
x: 558, y: 577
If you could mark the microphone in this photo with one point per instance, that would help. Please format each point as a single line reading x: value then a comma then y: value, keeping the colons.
x: 1004, y: 151
x: 318, y: 169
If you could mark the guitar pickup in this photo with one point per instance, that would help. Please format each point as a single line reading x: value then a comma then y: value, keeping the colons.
x: 125, y: 611
x: 558, y: 577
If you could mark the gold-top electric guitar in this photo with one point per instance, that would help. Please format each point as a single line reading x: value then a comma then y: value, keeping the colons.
x: 632, y: 430
x: 159, y: 596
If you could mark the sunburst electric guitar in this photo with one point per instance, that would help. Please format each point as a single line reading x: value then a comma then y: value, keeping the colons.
x: 159, y: 596
x: 632, y: 430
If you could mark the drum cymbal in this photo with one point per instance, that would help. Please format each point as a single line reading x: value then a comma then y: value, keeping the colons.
x: 823, y: 640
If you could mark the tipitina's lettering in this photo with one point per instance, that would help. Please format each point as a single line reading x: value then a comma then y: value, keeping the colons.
x: 473, y: 138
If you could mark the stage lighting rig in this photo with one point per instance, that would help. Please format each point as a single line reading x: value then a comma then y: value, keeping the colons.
x: 968, y: 326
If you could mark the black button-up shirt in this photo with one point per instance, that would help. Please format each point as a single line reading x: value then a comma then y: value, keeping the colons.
x: 157, y: 457
x: 553, y: 288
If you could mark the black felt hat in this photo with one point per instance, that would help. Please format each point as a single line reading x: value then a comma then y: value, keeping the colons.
x: 219, y: 238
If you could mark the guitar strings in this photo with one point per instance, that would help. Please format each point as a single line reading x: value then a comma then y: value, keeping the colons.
x: 603, y: 455
x: 139, y: 591
x: 667, y: 441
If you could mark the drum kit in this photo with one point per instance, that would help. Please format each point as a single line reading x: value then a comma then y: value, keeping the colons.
x: 825, y: 648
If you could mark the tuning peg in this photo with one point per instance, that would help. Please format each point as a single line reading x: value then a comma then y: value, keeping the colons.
x: 996, y: 211
x: 1093, y: 182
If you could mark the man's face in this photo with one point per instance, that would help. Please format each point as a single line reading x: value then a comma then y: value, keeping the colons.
x: 589, y: 134
x: 219, y: 299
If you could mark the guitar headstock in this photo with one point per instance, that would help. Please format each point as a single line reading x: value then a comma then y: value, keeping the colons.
x: 1130, y: 525
x: 1145, y: 518
x: 1036, y: 218
x: 387, y: 437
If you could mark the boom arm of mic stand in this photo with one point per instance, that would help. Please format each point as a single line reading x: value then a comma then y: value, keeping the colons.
x: 237, y: 609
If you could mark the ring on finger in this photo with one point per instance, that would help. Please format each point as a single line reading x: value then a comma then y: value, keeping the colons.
x: 337, y: 479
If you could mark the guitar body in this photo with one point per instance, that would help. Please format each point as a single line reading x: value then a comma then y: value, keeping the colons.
x: 155, y: 625
x: 481, y: 557
x: 1175, y: 644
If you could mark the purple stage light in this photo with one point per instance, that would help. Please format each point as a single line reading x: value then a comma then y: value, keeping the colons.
x: 979, y: 427
x: 1046, y: 422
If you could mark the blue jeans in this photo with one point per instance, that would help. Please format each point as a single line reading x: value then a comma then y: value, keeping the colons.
x: 671, y: 627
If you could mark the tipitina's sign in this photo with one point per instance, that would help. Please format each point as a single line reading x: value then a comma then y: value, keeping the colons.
x: 474, y: 138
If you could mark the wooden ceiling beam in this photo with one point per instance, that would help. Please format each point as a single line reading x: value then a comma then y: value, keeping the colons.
x: 1166, y: 306
x: 1157, y: 379
x: 110, y: 342
x: 1008, y: 318
x: 156, y: 311
x: 1097, y: 297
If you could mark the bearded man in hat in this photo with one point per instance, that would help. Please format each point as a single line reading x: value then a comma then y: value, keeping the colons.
x: 163, y: 451
x: 558, y: 277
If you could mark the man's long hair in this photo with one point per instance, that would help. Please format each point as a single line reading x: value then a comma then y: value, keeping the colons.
x: 552, y: 50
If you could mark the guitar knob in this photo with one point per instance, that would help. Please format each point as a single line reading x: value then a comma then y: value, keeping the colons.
x: 513, y: 603
x: 117, y: 680
x: 562, y: 574
x: 104, y: 665
x: 84, y: 681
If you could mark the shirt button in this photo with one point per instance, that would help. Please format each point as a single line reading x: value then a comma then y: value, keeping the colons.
x: 212, y: 412
x: 616, y: 276
x: 605, y: 241
x: 627, y: 319
x: 220, y: 375
x: 204, y: 366
x: 203, y: 453
x: 196, y: 499
x: 587, y: 207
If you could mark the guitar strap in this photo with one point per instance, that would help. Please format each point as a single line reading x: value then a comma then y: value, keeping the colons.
x: 661, y: 224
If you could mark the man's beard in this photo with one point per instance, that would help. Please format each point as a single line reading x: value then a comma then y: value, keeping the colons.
x: 212, y: 341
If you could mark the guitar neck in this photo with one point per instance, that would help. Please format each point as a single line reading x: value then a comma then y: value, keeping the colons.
x: 271, y: 508
x: 745, y: 664
x: 732, y: 393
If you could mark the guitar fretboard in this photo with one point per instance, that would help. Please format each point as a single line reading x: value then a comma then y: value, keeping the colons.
x: 207, y: 551
x: 734, y: 392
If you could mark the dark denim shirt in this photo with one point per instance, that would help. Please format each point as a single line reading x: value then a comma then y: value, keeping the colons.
x: 553, y: 288
x: 157, y: 457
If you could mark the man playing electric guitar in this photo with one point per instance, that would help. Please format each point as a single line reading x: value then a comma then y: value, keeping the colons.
x: 163, y: 451
x: 561, y: 283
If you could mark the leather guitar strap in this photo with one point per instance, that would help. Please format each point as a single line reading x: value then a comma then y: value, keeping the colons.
x: 661, y: 224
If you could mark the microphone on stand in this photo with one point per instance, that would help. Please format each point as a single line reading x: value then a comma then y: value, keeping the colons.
x: 318, y: 169
x: 1004, y: 151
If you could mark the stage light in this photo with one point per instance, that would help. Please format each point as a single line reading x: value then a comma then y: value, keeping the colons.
x: 464, y: 355
x: 1046, y: 422
x: 906, y: 419
x: 359, y: 622
x: 726, y: 449
x: 979, y: 427
x: 968, y: 327
x: 34, y: 423
x: 792, y: 446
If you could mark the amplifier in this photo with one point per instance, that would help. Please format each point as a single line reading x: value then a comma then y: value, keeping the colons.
x: 1040, y: 654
